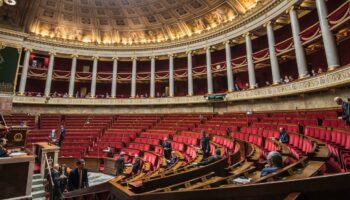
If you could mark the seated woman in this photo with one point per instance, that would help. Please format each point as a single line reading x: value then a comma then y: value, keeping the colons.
x: 274, y: 162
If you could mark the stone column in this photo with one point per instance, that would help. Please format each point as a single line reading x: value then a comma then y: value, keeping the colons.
x: 72, y: 75
x: 299, y: 50
x: 189, y: 74
x: 209, y: 73
x: 276, y: 76
x: 114, y: 77
x: 22, y: 85
x: 171, y: 75
x: 94, y: 76
x: 251, y: 67
x: 153, y: 77
x: 49, y: 75
x: 330, y: 46
x: 230, y: 87
x: 133, y: 78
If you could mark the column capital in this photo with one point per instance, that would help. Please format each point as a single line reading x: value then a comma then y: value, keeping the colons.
x: 170, y: 55
x: 152, y: 57
x: 74, y: 56
x: 189, y: 52
x: 207, y: 48
x: 115, y: 58
x: 52, y: 53
x: 95, y: 58
x: 248, y: 34
x: 294, y: 7
x: 226, y: 42
x: 134, y: 58
x: 269, y: 23
x: 28, y: 49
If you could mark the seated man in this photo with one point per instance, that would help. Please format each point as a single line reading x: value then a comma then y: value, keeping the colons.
x: 135, y: 165
x: 78, y: 177
x: 284, y: 137
x: 211, y: 159
x: 3, y: 151
x: 345, y: 110
x: 109, y: 152
x: 274, y: 162
x: 173, y: 158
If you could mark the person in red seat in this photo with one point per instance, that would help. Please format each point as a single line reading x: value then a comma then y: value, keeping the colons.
x: 109, y: 151
x: 173, y: 158
x: 167, y: 148
x: 345, y: 106
x: 274, y: 162
x: 284, y: 136
x: 78, y: 177
x: 205, y: 143
x: 3, y: 151
x: 120, y: 164
x: 211, y: 159
x: 62, y: 135
x: 135, y: 165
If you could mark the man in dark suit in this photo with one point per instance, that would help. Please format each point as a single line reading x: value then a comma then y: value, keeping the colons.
x: 120, y: 164
x: 345, y: 106
x: 205, y: 140
x: 211, y: 159
x: 167, y: 148
x: 3, y: 151
x: 55, y: 175
x: 62, y: 135
x: 78, y: 177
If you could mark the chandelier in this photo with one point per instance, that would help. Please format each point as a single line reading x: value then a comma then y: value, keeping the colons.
x: 8, y: 2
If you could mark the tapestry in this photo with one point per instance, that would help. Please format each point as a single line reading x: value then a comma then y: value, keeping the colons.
x: 9, y: 57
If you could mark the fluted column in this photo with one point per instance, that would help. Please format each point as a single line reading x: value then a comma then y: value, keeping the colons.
x: 251, y: 67
x: 94, y: 76
x: 229, y: 73
x: 72, y: 75
x: 114, y: 77
x: 49, y: 74
x: 22, y: 85
x: 299, y: 50
x: 153, y: 77
x: 171, y: 75
x: 330, y: 46
x: 189, y: 74
x: 275, y: 68
x: 133, y: 78
x: 209, y: 73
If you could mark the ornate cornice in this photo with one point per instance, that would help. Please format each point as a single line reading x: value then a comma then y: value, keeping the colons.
x: 215, y: 36
x: 336, y: 78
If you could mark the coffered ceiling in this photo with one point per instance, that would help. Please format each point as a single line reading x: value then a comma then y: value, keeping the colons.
x: 123, y: 21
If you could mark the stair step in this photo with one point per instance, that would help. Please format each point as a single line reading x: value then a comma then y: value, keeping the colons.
x: 39, y: 198
x: 38, y: 194
x: 36, y: 176
x: 37, y: 181
x: 37, y: 187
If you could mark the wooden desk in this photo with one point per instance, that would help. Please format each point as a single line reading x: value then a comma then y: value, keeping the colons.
x: 16, y: 176
x: 109, y: 166
x: 51, y: 151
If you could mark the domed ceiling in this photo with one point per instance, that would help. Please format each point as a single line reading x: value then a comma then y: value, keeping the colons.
x: 125, y: 22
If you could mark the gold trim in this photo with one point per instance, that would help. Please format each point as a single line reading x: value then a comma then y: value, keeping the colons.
x: 276, y: 83
x: 15, y: 81
x: 332, y: 67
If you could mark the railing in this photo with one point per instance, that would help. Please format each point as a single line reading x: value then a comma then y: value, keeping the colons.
x: 336, y: 78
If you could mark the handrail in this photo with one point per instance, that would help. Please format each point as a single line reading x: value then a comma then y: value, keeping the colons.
x: 48, y: 166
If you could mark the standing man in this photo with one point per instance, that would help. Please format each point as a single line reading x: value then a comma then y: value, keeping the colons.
x: 55, y: 175
x: 345, y: 106
x: 205, y: 140
x: 120, y: 164
x: 78, y: 177
x: 62, y: 135
x: 167, y: 148
x: 284, y: 137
